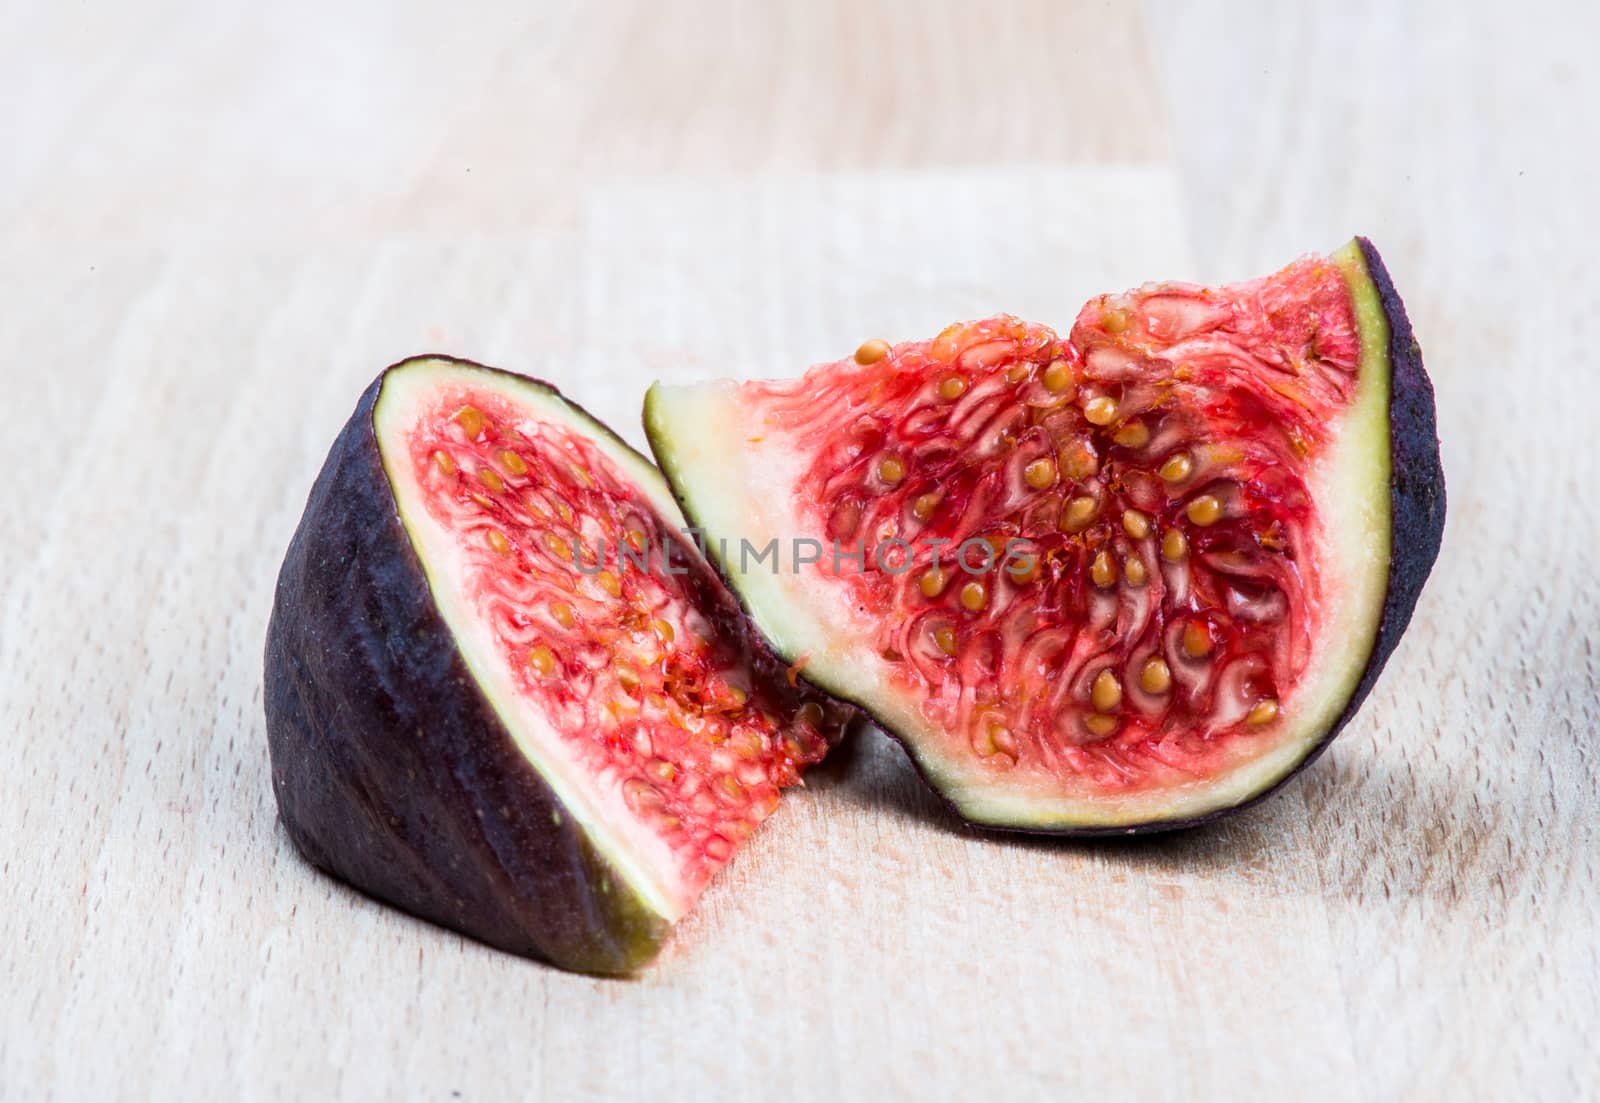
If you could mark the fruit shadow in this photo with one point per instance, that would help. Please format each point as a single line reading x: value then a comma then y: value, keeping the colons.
x: 1361, y: 823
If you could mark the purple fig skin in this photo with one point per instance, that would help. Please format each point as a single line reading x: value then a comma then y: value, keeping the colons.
x: 1417, y: 503
x: 391, y: 769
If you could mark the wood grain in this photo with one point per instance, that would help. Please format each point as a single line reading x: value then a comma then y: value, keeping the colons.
x: 217, y: 222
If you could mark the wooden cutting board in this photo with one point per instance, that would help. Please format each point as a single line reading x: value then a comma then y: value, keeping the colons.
x: 219, y: 221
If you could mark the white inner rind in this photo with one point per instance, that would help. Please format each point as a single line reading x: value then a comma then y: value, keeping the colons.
x: 737, y: 475
x: 641, y: 857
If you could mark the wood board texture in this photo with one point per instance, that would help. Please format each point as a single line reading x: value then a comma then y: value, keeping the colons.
x: 218, y: 221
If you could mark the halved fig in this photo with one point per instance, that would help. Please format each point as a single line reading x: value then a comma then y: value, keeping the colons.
x: 501, y: 691
x: 1121, y: 581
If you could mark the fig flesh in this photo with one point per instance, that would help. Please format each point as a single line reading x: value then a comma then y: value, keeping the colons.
x: 1120, y: 581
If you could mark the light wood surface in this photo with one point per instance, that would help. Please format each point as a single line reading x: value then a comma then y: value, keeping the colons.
x: 218, y: 220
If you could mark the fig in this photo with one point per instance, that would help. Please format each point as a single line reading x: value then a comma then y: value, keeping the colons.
x: 502, y: 691
x: 1120, y: 581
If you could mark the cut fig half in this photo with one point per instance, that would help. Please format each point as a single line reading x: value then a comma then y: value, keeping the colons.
x: 1120, y: 581
x: 502, y: 691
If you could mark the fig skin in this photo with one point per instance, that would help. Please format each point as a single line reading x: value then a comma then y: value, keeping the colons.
x: 391, y: 769
x: 1416, y: 490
